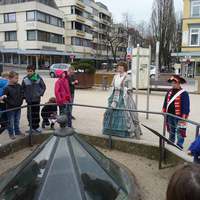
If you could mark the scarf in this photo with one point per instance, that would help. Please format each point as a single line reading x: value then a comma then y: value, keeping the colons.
x: 34, y: 77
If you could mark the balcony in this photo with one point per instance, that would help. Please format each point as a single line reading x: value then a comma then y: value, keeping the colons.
x: 80, y: 4
x: 80, y: 33
x: 80, y: 19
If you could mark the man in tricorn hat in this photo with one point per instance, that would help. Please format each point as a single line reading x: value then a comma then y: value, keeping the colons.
x: 177, y: 102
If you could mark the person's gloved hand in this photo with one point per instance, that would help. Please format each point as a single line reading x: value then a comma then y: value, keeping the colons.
x: 114, y: 104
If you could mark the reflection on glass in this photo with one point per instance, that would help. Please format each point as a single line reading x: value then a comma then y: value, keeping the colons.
x: 25, y: 184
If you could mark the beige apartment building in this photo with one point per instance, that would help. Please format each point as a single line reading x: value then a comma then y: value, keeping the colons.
x: 43, y: 32
x: 31, y: 32
x: 86, y: 23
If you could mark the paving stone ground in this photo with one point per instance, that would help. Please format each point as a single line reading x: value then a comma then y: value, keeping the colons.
x: 89, y: 120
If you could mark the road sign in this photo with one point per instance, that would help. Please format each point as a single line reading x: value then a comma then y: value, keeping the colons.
x: 72, y: 56
x: 129, y: 51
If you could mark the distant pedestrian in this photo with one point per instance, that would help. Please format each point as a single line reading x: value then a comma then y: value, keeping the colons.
x: 72, y: 83
x: 49, y: 113
x: 194, y: 150
x: 3, y: 116
x: 63, y: 95
x: 185, y: 184
x: 34, y: 88
x: 14, y: 99
x: 177, y: 102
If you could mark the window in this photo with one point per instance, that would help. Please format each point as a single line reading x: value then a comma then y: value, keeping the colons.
x: 10, y: 36
x: 81, y: 42
x: 10, y: 17
x: 41, y: 17
x: 8, y: 58
x: 197, y: 68
x: 31, y: 35
x: 194, y: 36
x: 30, y: 15
x: 44, y: 36
x: 195, y: 8
x: 44, y: 17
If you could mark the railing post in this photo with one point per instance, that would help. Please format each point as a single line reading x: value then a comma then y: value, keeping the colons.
x: 197, y: 131
x: 30, y: 125
x: 161, y: 152
x: 163, y: 142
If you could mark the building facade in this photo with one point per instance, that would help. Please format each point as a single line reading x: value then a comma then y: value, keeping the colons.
x: 31, y: 32
x: 190, y: 50
x: 86, y: 25
x: 43, y: 32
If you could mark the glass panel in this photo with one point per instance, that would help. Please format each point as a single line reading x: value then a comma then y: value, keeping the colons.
x: 61, y: 174
x: 111, y: 168
x: 198, y: 69
x: 31, y: 35
x: 10, y: 17
x: 30, y: 15
x: 41, y: 17
x: 97, y: 183
x: 23, y: 59
x: 195, y: 8
x: 25, y: 184
x: 10, y: 36
x: 15, y: 59
x: 54, y: 21
x: 194, y: 39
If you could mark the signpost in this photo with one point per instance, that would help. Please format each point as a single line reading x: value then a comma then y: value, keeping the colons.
x: 72, y: 57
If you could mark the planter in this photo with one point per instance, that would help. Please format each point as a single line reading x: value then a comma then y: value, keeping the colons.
x: 86, y: 80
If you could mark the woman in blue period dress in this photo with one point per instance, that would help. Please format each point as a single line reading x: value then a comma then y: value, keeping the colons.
x: 116, y: 122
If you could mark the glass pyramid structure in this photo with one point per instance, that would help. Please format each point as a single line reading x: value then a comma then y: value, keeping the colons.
x: 65, y: 167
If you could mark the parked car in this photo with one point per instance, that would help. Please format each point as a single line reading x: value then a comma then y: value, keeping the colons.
x: 152, y: 71
x: 56, y: 66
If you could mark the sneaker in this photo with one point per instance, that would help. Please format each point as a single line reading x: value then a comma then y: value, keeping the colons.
x: 20, y: 134
x: 73, y: 118
x: 52, y: 126
x: 37, y: 131
x: 12, y: 137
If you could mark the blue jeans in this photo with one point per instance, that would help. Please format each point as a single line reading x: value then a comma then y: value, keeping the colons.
x: 174, y: 131
x: 13, y: 122
x: 66, y: 110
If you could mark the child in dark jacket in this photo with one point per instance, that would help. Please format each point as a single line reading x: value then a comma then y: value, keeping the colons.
x: 194, y: 150
x: 13, y: 94
x: 49, y: 113
x: 34, y: 88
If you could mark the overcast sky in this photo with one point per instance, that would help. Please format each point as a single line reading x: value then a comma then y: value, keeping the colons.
x: 140, y: 10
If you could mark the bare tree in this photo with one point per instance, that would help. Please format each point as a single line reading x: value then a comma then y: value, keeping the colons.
x: 163, y: 25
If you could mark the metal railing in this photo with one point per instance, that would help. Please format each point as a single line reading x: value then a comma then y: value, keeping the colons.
x: 161, y: 135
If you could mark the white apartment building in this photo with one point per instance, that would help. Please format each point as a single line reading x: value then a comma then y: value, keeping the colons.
x: 86, y: 23
x: 31, y: 32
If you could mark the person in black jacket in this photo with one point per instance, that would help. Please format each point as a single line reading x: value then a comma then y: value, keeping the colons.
x: 49, y: 113
x: 13, y: 97
x: 34, y: 88
x: 72, y: 83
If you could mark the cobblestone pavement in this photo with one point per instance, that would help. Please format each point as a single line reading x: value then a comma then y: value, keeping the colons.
x: 89, y: 120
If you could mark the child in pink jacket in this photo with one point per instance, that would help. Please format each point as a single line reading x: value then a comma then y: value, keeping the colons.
x: 62, y: 94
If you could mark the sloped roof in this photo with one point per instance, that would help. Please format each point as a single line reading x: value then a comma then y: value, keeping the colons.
x: 65, y: 167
